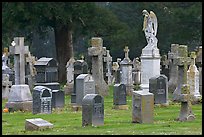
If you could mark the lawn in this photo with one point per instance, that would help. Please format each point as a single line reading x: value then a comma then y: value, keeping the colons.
x: 116, y: 122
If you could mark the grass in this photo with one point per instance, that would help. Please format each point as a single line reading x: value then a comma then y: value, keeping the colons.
x: 116, y: 122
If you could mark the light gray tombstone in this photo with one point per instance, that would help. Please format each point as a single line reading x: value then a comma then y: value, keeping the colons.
x: 20, y: 97
x: 126, y: 72
x: 42, y: 100
x: 116, y: 72
x: 6, y: 85
x: 96, y: 52
x: 92, y: 110
x: 142, y: 107
x: 84, y: 85
x: 158, y: 85
x: 136, y: 72
x: 108, y: 60
x: 199, y: 65
x: 193, y: 79
x: 37, y: 124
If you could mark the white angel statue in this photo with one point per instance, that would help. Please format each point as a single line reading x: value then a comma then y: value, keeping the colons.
x: 150, y: 27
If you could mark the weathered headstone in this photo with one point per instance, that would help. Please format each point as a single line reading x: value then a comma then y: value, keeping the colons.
x: 108, y: 60
x: 173, y: 68
x: 193, y: 79
x: 119, y: 97
x: 186, y: 113
x: 42, y: 100
x: 182, y: 61
x: 158, y: 85
x: 126, y: 72
x: 92, y: 110
x: 199, y: 65
x: 20, y: 97
x: 37, y: 124
x: 142, y: 107
x: 96, y: 52
x: 80, y: 67
x: 84, y: 85
x: 70, y: 76
x: 6, y: 85
x: 116, y: 72
x: 150, y: 58
x: 136, y: 72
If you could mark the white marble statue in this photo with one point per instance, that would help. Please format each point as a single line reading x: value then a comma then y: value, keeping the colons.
x: 150, y: 27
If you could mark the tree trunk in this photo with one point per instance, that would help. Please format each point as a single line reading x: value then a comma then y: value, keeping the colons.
x: 64, y: 50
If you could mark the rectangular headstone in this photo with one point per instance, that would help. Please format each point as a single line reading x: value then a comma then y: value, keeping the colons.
x: 37, y: 124
x: 119, y: 94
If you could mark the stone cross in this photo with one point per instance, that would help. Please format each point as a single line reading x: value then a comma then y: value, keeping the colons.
x: 126, y: 50
x: 96, y: 52
x: 108, y: 60
x: 19, y: 50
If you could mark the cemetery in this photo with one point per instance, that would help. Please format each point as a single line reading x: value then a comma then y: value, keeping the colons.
x: 91, y: 84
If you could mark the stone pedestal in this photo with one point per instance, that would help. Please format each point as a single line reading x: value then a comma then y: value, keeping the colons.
x: 19, y: 98
x: 150, y: 65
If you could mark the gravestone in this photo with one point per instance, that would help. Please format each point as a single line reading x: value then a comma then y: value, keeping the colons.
x: 158, y: 85
x: 5, y: 59
x: 193, y: 79
x: 142, y: 107
x: 136, y: 72
x: 108, y: 60
x: 173, y: 68
x: 70, y: 76
x: 119, y: 97
x: 42, y: 100
x: 84, y: 85
x: 20, y: 97
x: 80, y: 67
x: 186, y: 113
x: 126, y: 72
x: 6, y: 85
x: 46, y: 70
x: 37, y: 124
x: 150, y: 58
x: 92, y: 110
x: 182, y: 61
x: 199, y: 65
x: 96, y: 52
x: 116, y: 72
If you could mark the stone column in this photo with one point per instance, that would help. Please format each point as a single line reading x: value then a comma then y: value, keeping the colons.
x: 96, y: 52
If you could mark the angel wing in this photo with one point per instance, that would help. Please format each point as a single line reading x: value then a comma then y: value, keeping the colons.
x: 154, y: 21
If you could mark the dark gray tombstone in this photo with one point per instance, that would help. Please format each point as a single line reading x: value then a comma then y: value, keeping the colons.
x: 92, y: 110
x: 142, y: 107
x: 58, y: 96
x: 158, y: 85
x: 80, y: 67
x: 84, y: 85
x: 119, y: 94
x: 42, y: 97
x: 47, y: 70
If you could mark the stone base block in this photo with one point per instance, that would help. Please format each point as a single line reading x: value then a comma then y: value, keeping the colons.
x: 22, y: 106
x: 120, y: 107
x: 37, y: 124
x: 75, y: 107
x: 188, y: 118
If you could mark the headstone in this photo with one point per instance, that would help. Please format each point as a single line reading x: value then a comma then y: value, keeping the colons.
x: 108, y: 60
x: 193, y: 79
x: 20, y: 97
x: 136, y: 72
x: 70, y: 76
x: 84, y: 85
x: 182, y: 61
x: 150, y: 58
x: 199, y: 65
x: 80, y: 67
x: 158, y: 85
x: 126, y: 72
x: 37, y: 124
x: 186, y: 113
x: 46, y: 70
x: 92, y: 110
x: 142, y: 107
x: 116, y: 72
x: 96, y: 52
x: 42, y: 97
x: 173, y: 68
x: 119, y: 97
x: 6, y: 85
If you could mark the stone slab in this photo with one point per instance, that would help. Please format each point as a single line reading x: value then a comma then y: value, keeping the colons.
x: 37, y: 124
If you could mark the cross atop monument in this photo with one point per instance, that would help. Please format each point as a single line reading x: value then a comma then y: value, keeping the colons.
x: 19, y: 50
x: 126, y: 50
